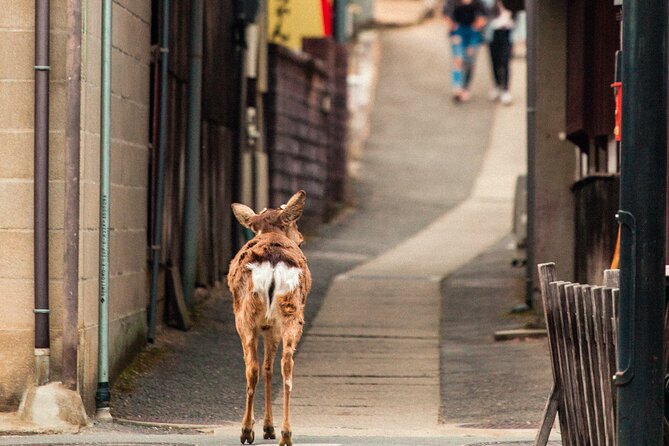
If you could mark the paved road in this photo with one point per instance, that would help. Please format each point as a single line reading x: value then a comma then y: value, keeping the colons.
x: 421, y: 160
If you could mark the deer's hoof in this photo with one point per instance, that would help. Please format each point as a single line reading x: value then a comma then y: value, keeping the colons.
x: 269, y: 433
x: 247, y: 436
x: 286, y: 439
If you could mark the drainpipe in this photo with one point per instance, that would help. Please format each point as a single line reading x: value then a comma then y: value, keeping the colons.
x: 71, y: 223
x: 640, y: 375
x: 42, y: 350
x: 191, y: 199
x: 340, y: 20
x: 531, y: 10
x: 102, y: 395
x: 162, y: 140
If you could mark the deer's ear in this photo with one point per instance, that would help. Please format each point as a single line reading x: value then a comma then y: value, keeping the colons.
x: 243, y: 214
x: 294, y: 208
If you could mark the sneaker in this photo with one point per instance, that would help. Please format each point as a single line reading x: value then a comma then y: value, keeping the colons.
x: 465, y: 96
x: 505, y: 98
x: 493, y: 95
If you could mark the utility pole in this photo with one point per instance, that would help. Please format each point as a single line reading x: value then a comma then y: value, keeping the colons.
x: 640, y: 372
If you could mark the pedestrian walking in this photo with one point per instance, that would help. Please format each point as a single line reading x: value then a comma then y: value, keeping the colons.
x: 465, y: 20
x: 501, y: 24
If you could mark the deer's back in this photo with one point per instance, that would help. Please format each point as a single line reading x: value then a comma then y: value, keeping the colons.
x: 267, y: 252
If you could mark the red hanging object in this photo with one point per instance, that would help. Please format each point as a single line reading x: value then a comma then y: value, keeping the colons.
x: 618, y: 89
x: 327, y: 17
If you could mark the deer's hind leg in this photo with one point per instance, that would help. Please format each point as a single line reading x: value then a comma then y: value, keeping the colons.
x: 291, y: 335
x: 271, y: 344
x: 250, y: 345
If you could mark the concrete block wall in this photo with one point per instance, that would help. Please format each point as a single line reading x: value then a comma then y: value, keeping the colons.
x: 297, y: 130
x: 335, y: 59
x: 130, y: 126
x: 306, y: 119
x: 131, y: 57
x: 17, y: 38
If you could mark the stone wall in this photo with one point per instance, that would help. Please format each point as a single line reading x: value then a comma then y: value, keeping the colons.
x: 17, y: 38
x: 128, y: 278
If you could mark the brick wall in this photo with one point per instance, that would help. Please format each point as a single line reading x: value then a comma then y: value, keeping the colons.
x: 306, y: 126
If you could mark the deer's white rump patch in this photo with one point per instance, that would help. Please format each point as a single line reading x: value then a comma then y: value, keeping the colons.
x: 271, y: 281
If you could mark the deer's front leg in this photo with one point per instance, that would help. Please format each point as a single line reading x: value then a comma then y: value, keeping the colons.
x: 250, y: 345
x: 271, y: 345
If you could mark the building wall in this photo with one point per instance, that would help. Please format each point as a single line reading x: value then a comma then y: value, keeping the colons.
x: 128, y: 282
x: 131, y: 54
x: 297, y: 130
x: 16, y: 191
x: 555, y: 167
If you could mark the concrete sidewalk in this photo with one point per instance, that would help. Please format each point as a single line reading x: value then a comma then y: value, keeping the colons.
x: 371, y: 362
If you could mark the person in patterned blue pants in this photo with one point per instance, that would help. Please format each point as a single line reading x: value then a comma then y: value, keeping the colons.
x: 465, y: 20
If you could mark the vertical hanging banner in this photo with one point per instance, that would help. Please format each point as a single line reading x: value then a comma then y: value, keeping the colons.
x: 291, y: 20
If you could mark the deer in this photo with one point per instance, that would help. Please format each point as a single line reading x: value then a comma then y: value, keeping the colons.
x: 269, y: 280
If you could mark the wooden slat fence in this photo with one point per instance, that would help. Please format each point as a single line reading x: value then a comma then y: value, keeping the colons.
x: 581, y: 324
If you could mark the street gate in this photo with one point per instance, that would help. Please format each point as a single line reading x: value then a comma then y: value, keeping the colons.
x: 581, y: 325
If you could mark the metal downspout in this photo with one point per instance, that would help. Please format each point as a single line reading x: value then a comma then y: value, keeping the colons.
x: 531, y: 9
x: 102, y: 396
x: 162, y: 140
x: 71, y: 223
x: 340, y: 21
x: 640, y: 375
x: 41, y: 203
x: 191, y: 198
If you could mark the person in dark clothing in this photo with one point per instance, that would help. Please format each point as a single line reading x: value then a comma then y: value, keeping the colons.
x: 502, y: 24
x: 465, y: 20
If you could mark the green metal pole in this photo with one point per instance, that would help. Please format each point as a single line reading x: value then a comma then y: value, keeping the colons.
x: 190, y: 225
x: 340, y: 21
x: 640, y: 374
x: 162, y: 141
x: 102, y: 396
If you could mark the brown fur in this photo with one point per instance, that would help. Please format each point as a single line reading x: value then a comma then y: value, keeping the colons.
x: 277, y: 240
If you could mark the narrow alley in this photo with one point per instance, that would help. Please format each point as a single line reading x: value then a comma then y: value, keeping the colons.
x: 410, y: 283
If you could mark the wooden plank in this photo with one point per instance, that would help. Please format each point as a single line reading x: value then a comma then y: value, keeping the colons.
x: 569, y: 413
x: 576, y: 370
x: 612, y: 278
x: 593, y: 359
x: 520, y: 333
x: 548, y: 274
x: 184, y: 321
x: 584, y: 371
x: 598, y: 296
x: 610, y: 344
x: 548, y: 418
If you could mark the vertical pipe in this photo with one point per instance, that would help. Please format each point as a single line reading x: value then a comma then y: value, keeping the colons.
x: 162, y: 140
x: 340, y: 20
x: 71, y: 222
x: 640, y: 372
x: 531, y: 10
x: 191, y: 199
x: 41, y: 203
x: 102, y: 395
